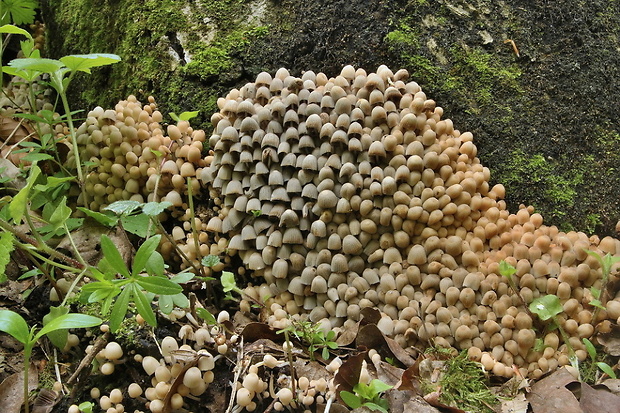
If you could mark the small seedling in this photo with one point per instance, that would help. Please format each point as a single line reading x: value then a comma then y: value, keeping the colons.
x: 14, y: 324
x: 601, y: 296
x: 594, y: 361
x: 184, y: 116
x: 507, y: 270
x: 367, y: 395
x: 549, y: 307
x: 313, y: 336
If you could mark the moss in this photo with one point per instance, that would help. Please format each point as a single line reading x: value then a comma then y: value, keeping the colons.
x: 533, y: 176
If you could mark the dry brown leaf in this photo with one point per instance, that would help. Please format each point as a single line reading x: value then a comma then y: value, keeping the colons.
x: 45, y: 401
x: 613, y: 385
x: 257, y: 331
x: 551, y: 395
x: 598, y: 400
x: 404, y: 401
x: 371, y: 337
x: 349, y: 373
x: 611, y: 341
x: 433, y: 400
x: 12, y: 390
x: 517, y: 404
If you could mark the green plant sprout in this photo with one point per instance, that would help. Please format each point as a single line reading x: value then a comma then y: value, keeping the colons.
x: 367, y: 395
x: 116, y: 293
x: 601, y: 296
x: 14, y: 324
x: 595, y: 362
x: 507, y: 270
x: 313, y: 336
x: 549, y: 307
x: 184, y: 116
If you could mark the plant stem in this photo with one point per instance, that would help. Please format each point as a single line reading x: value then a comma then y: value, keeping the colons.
x: 76, y: 149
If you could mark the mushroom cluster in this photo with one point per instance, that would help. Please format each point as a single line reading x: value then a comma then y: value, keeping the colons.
x: 351, y: 192
x: 134, y: 159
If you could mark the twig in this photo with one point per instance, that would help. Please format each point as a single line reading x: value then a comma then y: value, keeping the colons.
x: 233, y: 393
x: 97, y: 347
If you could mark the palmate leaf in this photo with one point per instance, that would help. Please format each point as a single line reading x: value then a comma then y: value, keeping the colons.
x: 546, y: 307
x: 37, y: 64
x: 18, y: 11
x: 6, y: 247
x: 153, y: 209
x: 85, y: 62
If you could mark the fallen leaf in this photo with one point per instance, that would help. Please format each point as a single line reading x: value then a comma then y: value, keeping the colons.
x: 257, y: 331
x: 551, y: 395
x: 405, y: 401
x: 433, y: 400
x: 370, y: 336
x: 611, y: 340
x: 517, y: 404
x: 45, y: 401
x: 349, y: 373
x: 12, y: 390
x: 598, y: 400
x: 387, y: 373
x: 613, y: 385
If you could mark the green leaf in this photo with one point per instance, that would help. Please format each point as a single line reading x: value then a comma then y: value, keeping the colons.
x: 143, y: 305
x: 11, y: 29
x: 350, y: 399
x: 18, y: 11
x: 228, y: 281
x: 61, y: 214
x: 6, y: 247
x: 180, y: 300
x: 57, y: 337
x: 605, y: 368
x: 19, y: 203
x: 86, y: 407
x: 206, y: 315
x: 546, y: 307
x: 103, y: 219
x: 210, y: 260
x: 69, y: 321
x: 506, y: 269
x: 85, y: 62
x: 589, y: 348
x: 184, y: 116
x: 377, y: 386
x: 153, y: 209
x: 143, y: 254
x: 166, y: 304
x: 123, y: 207
x: 113, y: 257
x: 34, y: 156
x: 138, y: 225
x: 14, y: 324
x: 103, y: 293
x: 182, y: 278
x: 121, y: 305
x: 375, y: 407
x: 158, y: 285
x: 38, y: 64
x: 27, y: 75
x: 155, y: 265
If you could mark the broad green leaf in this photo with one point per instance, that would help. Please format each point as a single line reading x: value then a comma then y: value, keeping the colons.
x: 228, y: 281
x: 180, y: 300
x: 375, y: 407
x: 210, y: 260
x: 121, y: 305
x: 6, y: 247
x: 144, y: 254
x: 605, y: 368
x: 166, y: 304
x: 138, y: 225
x: 123, y: 207
x: 14, y: 324
x: 18, y: 11
x: 103, y: 219
x: 69, y: 321
x: 17, y: 207
x: 546, y: 307
x: 155, y: 264
x: 27, y: 75
x: 184, y: 116
x: 206, y: 315
x: 61, y: 214
x: 113, y: 257
x: 153, y: 209
x: 57, y: 337
x: 143, y: 305
x: 350, y: 399
x: 377, y: 386
x: 10, y: 29
x: 158, y: 285
x: 41, y: 64
x: 182, y: 278
x: 85, y: 62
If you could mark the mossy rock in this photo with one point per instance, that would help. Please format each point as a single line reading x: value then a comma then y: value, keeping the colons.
x: 535, y: 83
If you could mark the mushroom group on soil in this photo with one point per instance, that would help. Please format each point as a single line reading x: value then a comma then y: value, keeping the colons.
x: 336, y: 194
